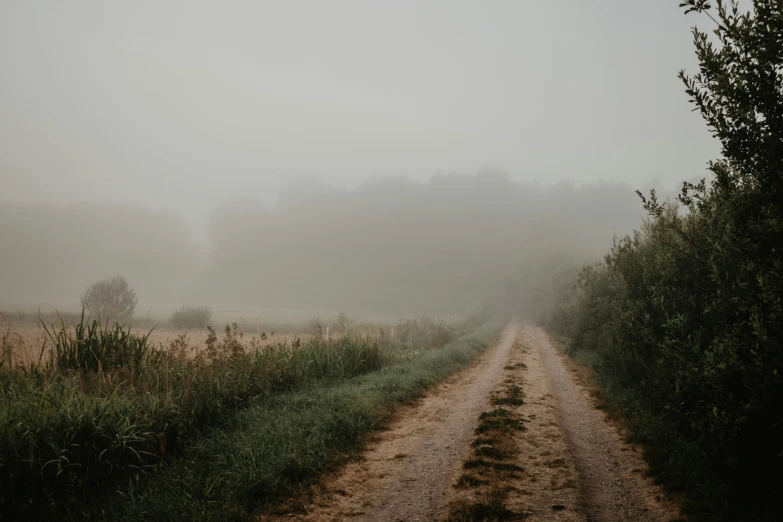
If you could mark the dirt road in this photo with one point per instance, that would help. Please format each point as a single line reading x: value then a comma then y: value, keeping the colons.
x: 610, y: 474
x: 573, y: 463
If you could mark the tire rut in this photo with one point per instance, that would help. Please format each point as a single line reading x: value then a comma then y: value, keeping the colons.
x: 612, y: 482
x: 576, y: 466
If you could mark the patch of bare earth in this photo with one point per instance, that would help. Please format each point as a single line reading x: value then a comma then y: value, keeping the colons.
x: 408, y: 470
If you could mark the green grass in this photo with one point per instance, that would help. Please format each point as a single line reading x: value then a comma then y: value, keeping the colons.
x: 586, y: 358
x: 107, y: 408
x: 280, y: 442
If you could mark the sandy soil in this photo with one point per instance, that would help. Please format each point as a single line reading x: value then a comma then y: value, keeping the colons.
x: 549, y: 488
x: 576, y: 465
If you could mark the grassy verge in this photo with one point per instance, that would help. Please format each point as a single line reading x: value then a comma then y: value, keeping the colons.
x: 280, y: 442
x: 107, y: 409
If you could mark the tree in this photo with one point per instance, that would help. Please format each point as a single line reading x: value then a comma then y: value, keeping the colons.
x: 110, y: 299
x: 711, y: 291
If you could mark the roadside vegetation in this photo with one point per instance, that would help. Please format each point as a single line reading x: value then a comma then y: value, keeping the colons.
x: 683, y: 321
x: 104, y: 410
x: 280, y: 442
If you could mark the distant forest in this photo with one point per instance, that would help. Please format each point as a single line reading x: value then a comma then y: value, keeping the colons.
x: 390, y: 245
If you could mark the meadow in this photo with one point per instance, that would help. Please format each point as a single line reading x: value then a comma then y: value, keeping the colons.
x: 91, y: 423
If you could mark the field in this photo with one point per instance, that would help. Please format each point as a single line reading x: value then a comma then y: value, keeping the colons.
x: 29, y: 342
x: 93, y: 419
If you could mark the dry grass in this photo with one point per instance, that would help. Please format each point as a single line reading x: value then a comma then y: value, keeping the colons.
x: 26, y: 343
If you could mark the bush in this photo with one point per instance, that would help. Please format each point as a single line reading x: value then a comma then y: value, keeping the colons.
x: 111, y: 299
x: 686, y: 316
x: 191, y: 317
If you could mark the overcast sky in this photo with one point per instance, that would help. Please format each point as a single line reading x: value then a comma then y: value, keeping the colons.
x: 186, y: 104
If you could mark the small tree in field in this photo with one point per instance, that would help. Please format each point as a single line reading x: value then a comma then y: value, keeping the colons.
x: 110, y: 299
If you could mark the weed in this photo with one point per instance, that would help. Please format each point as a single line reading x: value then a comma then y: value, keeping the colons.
x: 92, y: 347
x: 489, y: 506
x: 493, y: 455
x: 108, y: 408
x: 513, y: 397
x: 556, y: 463
x: 491, y: 452
x: 470, y: 481
x: 499, y: 419
x: 515, y: 366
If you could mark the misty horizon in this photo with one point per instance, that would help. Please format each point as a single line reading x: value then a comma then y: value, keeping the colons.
x: 388, y: 246
x: 391, y: 158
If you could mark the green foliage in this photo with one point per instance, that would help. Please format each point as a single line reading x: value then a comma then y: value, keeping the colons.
x: 191, y: 317
x: 10, y: 342
x: 280, y: 441
x: 93, y: 347
x: 108, y: 408
x: 65, y: 436
x: 686, y: 316
x: 110, y: 299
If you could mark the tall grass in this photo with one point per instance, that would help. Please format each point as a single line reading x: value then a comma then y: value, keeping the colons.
x: 280, y: 442
x: 10, y: 342
x: 107, y: 407
x: 91, y: 346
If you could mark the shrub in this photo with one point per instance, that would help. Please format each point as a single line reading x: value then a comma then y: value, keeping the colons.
x: 110, y: 299
x: 191, y: 317
x: 686, y: 316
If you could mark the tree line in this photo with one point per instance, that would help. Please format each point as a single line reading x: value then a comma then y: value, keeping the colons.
x: 390, y: 245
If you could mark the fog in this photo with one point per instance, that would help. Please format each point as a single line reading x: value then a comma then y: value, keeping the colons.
x: 390, y: 246
x: 330, y: 156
